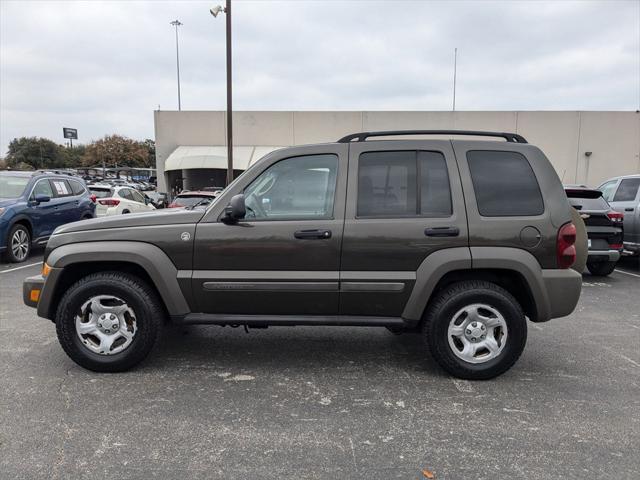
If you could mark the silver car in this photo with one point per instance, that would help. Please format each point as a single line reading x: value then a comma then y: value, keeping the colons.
x: 623, y: 194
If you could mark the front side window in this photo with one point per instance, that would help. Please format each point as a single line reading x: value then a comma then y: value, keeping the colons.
x: 627, y: 190
x: 403, y: 183
x: 608, y: 189
x: 504, y: 184
x: 43, y: 187
x: 295, y: 188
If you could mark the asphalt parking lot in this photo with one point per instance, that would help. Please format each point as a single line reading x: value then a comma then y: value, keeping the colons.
x: 316, y: 402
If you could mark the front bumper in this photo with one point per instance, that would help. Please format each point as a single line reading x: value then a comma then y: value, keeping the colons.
x: 32, y: 290
x: 603, y: 256
x: 562, y: 288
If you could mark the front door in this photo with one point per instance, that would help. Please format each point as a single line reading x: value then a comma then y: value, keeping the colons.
x: 283, y: 258
x: 404, y: 203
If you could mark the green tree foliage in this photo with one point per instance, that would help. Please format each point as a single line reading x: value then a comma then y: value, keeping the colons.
x: 34, y: 153
x: 116, y: 150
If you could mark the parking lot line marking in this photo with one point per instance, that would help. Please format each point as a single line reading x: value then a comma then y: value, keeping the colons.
x: 20, y: 268
x: 628, y: 273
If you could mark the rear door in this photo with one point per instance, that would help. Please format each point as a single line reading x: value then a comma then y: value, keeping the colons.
x: 626, y: 200
x: 404, y: 202
x: 66, y: 203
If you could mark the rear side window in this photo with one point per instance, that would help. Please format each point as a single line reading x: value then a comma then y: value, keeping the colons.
x: 627, y: 190
x: 403, y: 184
x: 126, y: 194
x: 504, y: 184
x: 76, y: 187
x: 61, y: 188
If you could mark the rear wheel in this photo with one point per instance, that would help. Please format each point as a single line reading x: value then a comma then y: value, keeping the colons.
x: 601, y: 269
x: 475, y: 330
x: 18, y: 243
x: 109, y: 322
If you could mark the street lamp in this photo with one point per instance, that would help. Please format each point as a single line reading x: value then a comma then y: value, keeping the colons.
x: 215, y: 11
x: 176, y: 23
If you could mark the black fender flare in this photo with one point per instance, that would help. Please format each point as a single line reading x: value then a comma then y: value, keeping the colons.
x: 150, y: 258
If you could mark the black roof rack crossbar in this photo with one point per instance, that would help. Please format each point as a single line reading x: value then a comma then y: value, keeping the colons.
x: 362, y: 136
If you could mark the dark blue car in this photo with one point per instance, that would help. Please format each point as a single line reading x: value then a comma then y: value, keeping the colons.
x: 33, y: 204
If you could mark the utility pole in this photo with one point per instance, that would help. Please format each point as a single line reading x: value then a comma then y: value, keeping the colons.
x: 227, y: 10
x: 177, y: 23
x: 455, y: 71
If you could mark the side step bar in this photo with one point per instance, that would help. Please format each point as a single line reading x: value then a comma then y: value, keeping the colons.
x: 290, y: 320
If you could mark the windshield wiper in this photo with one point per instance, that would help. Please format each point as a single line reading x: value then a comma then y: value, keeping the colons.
x: 202, y: 201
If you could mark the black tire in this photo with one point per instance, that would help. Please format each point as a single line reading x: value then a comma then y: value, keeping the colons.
x: 601, y: 269
x: 10, y: 255
x: 136, y: 293
x: 124, y: 212
x: 443, y: 308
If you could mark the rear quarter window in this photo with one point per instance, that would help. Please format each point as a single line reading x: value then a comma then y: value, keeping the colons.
x: 504, y: 184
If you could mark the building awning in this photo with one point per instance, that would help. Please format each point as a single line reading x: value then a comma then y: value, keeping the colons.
x: 188, y: 157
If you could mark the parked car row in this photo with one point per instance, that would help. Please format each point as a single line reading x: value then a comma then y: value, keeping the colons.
x: 33, y: 204
x: 115, y: 200
x: 611, y: 214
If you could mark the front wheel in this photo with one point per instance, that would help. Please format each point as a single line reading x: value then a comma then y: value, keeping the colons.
x: 475, y: 330
x: 601, y: 269
x: 109, y: 321
x: 18, y: 244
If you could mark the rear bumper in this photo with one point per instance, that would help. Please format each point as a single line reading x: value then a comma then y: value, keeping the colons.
x: 562, y: 289
x: 604, y: 255
x: 632, y: 247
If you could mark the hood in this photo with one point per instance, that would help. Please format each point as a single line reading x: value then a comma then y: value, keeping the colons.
x: 169, y: 216
x: 7, y: 202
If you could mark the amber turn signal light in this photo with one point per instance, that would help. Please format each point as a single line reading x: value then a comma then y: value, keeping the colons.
x: 45, y: 269
x: 34, y: 295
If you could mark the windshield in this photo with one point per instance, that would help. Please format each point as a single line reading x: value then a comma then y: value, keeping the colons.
x: 12, y: 186
x: 101, y: 192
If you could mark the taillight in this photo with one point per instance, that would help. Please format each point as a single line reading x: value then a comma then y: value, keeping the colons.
x: 93, y: 198
x: 172, y: 205
x: 109, y: 202
x: 616, y: 246
x: 565, y: 245
x: 615, y: 217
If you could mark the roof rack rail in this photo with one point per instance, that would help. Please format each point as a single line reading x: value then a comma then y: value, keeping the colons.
x: 362, y: 136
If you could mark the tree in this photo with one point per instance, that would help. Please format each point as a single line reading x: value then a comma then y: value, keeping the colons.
x: 34, y: 153
x: 116, y: 150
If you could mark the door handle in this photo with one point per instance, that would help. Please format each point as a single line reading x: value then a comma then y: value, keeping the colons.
x: 312, y: 234
x: 628, y: 209
x: 442, y: 232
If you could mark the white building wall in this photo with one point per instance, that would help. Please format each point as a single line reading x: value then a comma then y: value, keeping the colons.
x: 612, y: 137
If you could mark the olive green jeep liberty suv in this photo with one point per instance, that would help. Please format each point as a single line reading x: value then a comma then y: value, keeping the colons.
x: 461, y: 240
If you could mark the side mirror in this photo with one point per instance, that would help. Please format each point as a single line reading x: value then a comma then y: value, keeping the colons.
x: 41, y: 198
x: 235, y: 210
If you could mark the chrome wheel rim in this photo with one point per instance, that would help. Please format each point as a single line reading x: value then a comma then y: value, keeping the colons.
x: 20, y: 244
x: 477, y: 333
x: 106, y: 325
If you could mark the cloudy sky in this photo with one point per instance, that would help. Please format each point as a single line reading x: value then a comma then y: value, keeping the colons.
x: 103, y: 67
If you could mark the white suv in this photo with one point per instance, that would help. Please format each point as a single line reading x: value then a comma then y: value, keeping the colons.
x: 113, y: 200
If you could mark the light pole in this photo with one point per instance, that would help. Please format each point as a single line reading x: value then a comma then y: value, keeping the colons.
x: 227, y: 10
x: 177, y: 23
